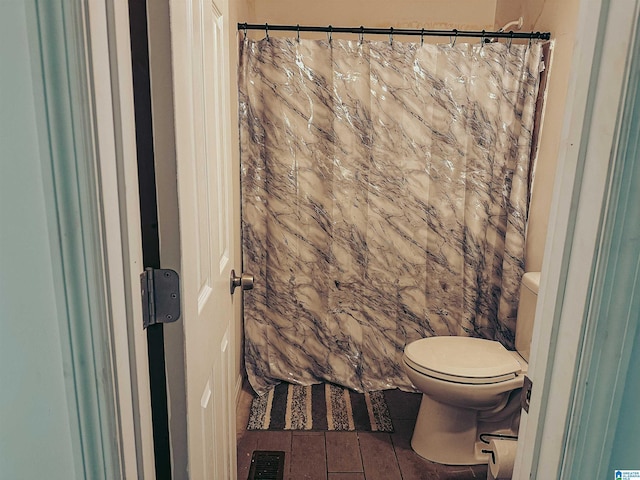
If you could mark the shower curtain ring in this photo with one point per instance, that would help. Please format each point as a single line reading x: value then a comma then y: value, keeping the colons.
x: 510, y: 40
x: 298, y: 33
x: 455, y: 38
x: 330, y: 33
x: 422, y: 37
x: 266, y: 30
x: 391, y: 36
x: 482, y: 40
x: 361, y: 36
x: 245, y: 32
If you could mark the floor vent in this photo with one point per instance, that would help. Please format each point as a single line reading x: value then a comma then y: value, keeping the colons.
x: 266, y: 465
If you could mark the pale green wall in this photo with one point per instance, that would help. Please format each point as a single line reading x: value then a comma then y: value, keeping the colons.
x: 35, y: 422
x: 626, y: 445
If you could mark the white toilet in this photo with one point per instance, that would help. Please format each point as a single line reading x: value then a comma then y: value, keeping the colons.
x: 470, y: 387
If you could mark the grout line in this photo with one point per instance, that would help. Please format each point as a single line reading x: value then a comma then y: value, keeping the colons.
x: 361, y: 456
x: 287, y: 472
x: 326, y: 460
x: 395, y: 454
x: 393, y: 444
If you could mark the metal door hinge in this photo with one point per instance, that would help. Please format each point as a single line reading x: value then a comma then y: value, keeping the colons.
x: 160, y: 296
x: 525, y: 395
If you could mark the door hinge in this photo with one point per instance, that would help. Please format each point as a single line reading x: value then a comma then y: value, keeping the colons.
x: 160, y: 296
x: 525, y: 395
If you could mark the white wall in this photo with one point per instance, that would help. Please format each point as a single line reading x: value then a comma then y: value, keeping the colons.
x: 436, y: 14
x: 560, y: 18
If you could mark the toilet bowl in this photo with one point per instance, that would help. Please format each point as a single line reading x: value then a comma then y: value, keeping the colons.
x: 470, y: 388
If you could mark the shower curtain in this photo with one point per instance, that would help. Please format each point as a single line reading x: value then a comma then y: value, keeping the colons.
x: 384, y: 199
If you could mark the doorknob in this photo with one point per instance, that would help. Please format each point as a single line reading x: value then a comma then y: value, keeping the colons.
x: 244, y: 280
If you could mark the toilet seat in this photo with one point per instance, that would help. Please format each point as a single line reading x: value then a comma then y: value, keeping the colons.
x: 462, y: 359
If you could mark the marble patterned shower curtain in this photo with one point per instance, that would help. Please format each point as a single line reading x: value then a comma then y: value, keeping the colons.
x: 384, y: 199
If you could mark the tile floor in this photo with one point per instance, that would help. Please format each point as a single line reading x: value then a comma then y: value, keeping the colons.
x: 349, y: 455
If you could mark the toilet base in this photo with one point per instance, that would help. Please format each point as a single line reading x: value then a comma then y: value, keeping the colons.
x: 447, y: 434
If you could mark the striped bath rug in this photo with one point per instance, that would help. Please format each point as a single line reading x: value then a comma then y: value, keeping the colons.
x: 319, y: 407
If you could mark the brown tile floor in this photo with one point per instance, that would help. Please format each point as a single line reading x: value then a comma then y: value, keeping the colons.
x: 349, y: 455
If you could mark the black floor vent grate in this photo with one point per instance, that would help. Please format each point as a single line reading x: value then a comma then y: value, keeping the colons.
x: 266, y: 465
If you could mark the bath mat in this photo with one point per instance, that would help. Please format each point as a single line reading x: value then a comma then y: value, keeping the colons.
x: 319, y: 407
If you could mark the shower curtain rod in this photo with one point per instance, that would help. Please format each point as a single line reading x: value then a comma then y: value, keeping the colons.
x: 393, y: 31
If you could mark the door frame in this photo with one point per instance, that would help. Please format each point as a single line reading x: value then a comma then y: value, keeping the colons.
x: 111, y: 79
x: 107, y: 49
x: 565, y: 286
x: 594, y: 106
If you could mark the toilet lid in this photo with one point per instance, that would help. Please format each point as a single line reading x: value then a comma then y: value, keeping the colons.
x: 462, y: 359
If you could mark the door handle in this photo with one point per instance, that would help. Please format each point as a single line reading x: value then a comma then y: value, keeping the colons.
x: 245, y: 281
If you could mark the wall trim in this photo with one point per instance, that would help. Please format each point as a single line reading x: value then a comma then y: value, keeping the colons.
x: 593, y: 105
x: 110, y: 79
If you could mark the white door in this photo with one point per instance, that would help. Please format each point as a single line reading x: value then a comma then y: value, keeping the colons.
x: 202, y: 118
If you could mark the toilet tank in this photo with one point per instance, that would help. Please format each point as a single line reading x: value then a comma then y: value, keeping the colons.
x: 526, y: 312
